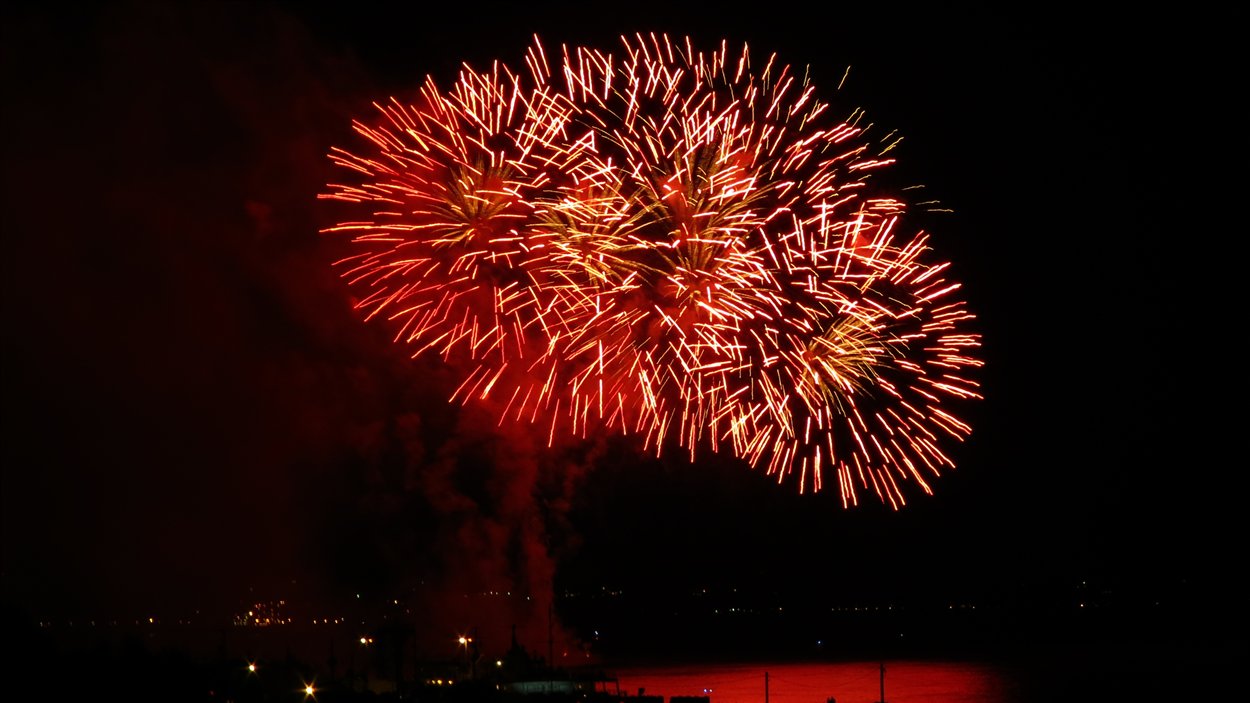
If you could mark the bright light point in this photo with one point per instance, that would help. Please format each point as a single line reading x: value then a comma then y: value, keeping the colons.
x: 498, y: 663
x: 464, y: 640
x: 309, y: 690
x: 251, y: 668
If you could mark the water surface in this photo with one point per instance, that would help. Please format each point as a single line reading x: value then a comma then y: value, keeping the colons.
x: 845, y: 682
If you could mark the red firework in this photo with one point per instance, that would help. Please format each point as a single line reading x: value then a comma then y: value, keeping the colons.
x: 668, y: 243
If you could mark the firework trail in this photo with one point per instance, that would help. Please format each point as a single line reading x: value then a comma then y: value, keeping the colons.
x: 669, y: 243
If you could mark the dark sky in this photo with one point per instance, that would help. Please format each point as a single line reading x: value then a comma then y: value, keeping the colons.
x: 192, y: 409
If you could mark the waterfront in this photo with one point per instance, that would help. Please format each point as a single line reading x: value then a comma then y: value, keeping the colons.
x: 1071, y: 672
x: 807, y: 682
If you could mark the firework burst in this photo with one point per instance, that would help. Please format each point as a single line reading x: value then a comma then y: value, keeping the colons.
x: 667, y: 243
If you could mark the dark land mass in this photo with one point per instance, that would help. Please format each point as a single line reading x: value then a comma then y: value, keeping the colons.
x: 1092, y: 643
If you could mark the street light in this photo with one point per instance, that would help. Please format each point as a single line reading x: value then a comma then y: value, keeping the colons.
x: 465, y: 641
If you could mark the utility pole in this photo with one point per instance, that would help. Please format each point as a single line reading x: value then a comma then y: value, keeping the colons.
x: 882, y: 682
x: 765, y: 687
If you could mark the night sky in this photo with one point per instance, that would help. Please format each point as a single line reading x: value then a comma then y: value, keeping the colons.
x: 194, y: 416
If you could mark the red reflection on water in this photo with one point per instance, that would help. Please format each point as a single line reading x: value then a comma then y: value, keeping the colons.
x: 846, y: 682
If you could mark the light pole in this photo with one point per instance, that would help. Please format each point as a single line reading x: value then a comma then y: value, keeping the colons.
x: 466, y: 641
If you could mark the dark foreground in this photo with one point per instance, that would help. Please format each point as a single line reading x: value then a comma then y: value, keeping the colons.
x: 127, y: 667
